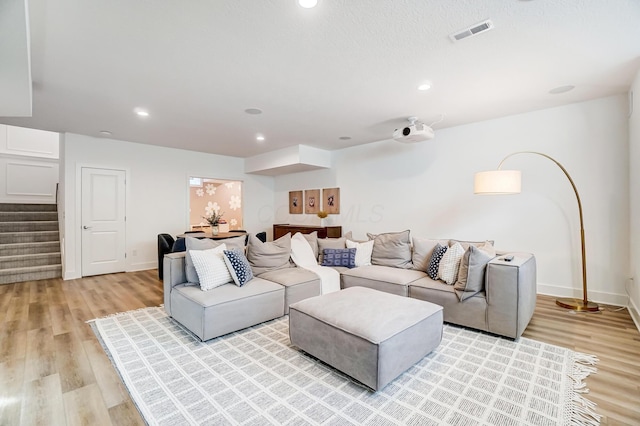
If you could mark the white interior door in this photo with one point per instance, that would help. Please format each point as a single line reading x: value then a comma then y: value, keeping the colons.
x: 103, y: 221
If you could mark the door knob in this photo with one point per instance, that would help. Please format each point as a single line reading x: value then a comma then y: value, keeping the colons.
x: 87, y: 227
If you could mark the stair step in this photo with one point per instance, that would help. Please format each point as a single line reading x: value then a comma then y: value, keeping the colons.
x: 38, y: 225
x: 32, y: 273
x: 28, y: 237
x: 29, y: 243
x: 27, y: 216
x: 26, y: 260
x: 7, y: 207
x: 29, y: 248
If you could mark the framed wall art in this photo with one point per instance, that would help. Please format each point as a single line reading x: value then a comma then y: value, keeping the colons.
x: 312, y: 201
x: 331, y: 200
x: 295, y: 202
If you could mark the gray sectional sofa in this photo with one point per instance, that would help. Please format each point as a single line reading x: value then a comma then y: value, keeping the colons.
x: 503, y: 304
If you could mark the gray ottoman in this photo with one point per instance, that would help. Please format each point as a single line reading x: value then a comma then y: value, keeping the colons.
x: 370, y: 335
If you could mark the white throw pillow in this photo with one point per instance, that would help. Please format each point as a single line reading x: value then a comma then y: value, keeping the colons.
x: 450, y: 263
x: 211, y: 268
x: 363, y: 252
x: 301, y: 251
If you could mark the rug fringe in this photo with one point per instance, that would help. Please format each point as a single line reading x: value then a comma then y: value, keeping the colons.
x: 585, y: 358
x: 583, y: 411
x: 118, y: 314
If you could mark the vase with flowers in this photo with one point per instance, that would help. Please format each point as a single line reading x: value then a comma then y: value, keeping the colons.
x: 323, y: 217
x: 214, y: 221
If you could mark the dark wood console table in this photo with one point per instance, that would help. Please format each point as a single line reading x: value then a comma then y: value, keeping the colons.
x: 323, y: 231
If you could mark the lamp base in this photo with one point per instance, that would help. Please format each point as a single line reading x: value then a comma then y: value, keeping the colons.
x: 577, y: 305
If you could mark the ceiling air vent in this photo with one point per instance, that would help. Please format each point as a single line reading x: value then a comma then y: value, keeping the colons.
x: 472, y: 30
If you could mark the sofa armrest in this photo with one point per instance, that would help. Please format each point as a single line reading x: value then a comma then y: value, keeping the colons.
x: 511, y: 293
x: 174, y: 274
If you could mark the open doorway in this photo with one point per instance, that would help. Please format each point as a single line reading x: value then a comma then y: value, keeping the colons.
x: 208, y: 195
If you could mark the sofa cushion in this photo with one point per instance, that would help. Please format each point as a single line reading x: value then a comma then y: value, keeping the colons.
x: 383, y: 278
x: 268, y: 256
x: 205, y: 244
x: 450, y: 263
x: 471, y: 313
x: 391, y: 249
x: 434, y: 262
x: 333, y: 243
x: 290, y: 276
x: 465, y: 244
x: 227, y: 293
x: 301, y: 251
x: 422, y: 251
x: 210, y: 266
x: 339, y: 257
x: 472, y: 270
x: 298, y: 283
x: 363, y: 251
x: 312, y: 239
x: 238, y: 266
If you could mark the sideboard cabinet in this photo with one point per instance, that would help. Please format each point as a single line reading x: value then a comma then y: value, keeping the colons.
x: 323, y: 231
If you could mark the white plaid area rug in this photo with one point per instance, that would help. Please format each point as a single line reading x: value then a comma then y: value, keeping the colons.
x: 255, y: 377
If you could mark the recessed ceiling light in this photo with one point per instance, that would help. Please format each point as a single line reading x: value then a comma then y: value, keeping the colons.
x: 345, y: 138
x: 308, y: 4
x: 253, y: 111
x: 141, y: 112
x: 424, y: 86
x: 561, y: 89
x: 105, y: 133
x: 260, y: 138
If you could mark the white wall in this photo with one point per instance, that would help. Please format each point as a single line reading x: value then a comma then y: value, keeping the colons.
x: 634, y: 193
x: 28, y: 165
x: 157, y: 193
x: 428, y: 188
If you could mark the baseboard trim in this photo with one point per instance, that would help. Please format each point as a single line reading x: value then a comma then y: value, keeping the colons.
x: 634, y: 312
x: 595, y: 296
x: 142, y: 266
x: 70, y: 275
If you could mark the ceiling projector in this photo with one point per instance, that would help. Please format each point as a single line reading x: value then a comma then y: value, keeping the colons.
x: 414, y: 132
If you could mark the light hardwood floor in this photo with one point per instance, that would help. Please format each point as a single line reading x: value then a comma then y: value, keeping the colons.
x: 54, y: 372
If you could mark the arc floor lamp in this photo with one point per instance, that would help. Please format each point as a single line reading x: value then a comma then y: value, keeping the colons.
x: 509, y: 182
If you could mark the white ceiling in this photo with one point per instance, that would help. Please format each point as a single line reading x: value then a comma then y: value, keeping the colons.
x: 344, y: 68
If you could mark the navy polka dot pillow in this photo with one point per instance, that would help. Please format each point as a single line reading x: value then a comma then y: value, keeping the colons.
x: 434, y: 262
x: 339, y: 257
x: 239, y: 266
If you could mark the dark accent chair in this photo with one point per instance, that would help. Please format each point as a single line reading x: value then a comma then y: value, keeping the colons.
x: 165, y: 245
x: 179, y: 245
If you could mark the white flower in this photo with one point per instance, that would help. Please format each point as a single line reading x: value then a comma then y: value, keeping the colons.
x: 211, y: 189
x: 234, y: 222
x: 234, y: 202
x: 200, y: 192
x: 211, y: 207
x: 229, y: 185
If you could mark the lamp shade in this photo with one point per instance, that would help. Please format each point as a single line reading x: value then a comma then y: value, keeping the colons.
x: 497, y: 182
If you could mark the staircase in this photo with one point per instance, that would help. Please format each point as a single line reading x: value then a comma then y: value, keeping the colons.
x: 29, y: 243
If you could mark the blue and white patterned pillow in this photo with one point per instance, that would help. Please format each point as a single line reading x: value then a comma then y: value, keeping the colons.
x: 339, y: 257
x: 239, y: 266
x: 434, y: 262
